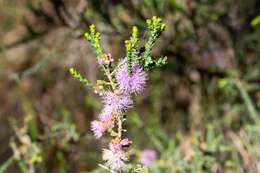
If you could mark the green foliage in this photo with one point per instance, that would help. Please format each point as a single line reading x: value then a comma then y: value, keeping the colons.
x: 78, y: 76
x: 156, y: 27
x: 256, y: 21
x: 161, y: 62
x: 132, y: 49
x: 26, y: 151
x: 94, y: 38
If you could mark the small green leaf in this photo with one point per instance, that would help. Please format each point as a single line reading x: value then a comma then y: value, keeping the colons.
x: 80, y: 77
x: 222, y: 83
x: 255, y: 21
x: 161, y: 61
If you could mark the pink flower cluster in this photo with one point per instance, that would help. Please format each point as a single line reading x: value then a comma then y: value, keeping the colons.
x: 148, y: 157
x: 104, y: 122
x: 115, y: 157
x: 116, y: 103
x: 131, y: 83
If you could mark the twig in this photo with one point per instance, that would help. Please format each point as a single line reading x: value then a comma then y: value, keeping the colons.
x: 106, y: 168
x: 6, y: 164
x: 237, y: 142
x: 252, y: 111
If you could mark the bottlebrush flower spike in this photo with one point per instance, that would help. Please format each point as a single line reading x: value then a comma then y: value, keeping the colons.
x: 105, y: 122
x: 114, y: 159
x: 131, y: 83
x: 106, y: 114
x: 122, y: 81
x: 98, y: 128
x: 117, y: 101
x: 115, y: 156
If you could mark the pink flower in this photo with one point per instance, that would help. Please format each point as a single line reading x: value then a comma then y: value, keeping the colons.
x: 118, y: 144
x: 114, y: 158
x: 125, y: 142
x: 115, y: 146
x: 105, y: 122
x: 148, y: 157
x: 139, y: 78
x: 106, y: 114
x: 117, y: 101
x: 98, y: 128
x: 100, y: 61
x: 131, y: 83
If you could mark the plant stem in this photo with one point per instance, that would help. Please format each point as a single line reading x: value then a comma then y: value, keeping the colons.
x: 6, y: 164
x: 252, y: 111
x: 106, y: 168
x: 118, y: 115
x: 120, y: 124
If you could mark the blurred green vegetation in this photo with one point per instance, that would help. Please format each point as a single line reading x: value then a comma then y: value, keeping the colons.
x: 200, y: 112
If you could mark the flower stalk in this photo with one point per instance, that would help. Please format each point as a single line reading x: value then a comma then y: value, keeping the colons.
x: 126, y: 78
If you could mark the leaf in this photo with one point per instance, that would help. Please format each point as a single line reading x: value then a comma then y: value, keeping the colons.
x: 255, y: 21
x: 6, y: 164
x: 161, y: 61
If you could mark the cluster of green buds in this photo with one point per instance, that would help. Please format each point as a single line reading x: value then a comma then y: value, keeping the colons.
x: 132, y: 48
x: 143, y: 55
x: 156, y: 27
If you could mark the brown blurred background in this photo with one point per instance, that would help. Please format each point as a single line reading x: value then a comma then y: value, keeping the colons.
x: 206, y: 41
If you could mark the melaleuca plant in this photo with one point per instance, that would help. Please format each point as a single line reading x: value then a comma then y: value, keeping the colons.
x: 124, y: 78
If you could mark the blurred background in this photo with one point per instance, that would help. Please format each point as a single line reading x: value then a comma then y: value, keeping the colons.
x: 200, y: 112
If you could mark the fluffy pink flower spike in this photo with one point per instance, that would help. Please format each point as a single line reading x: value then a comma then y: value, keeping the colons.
x: 131, y: 83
